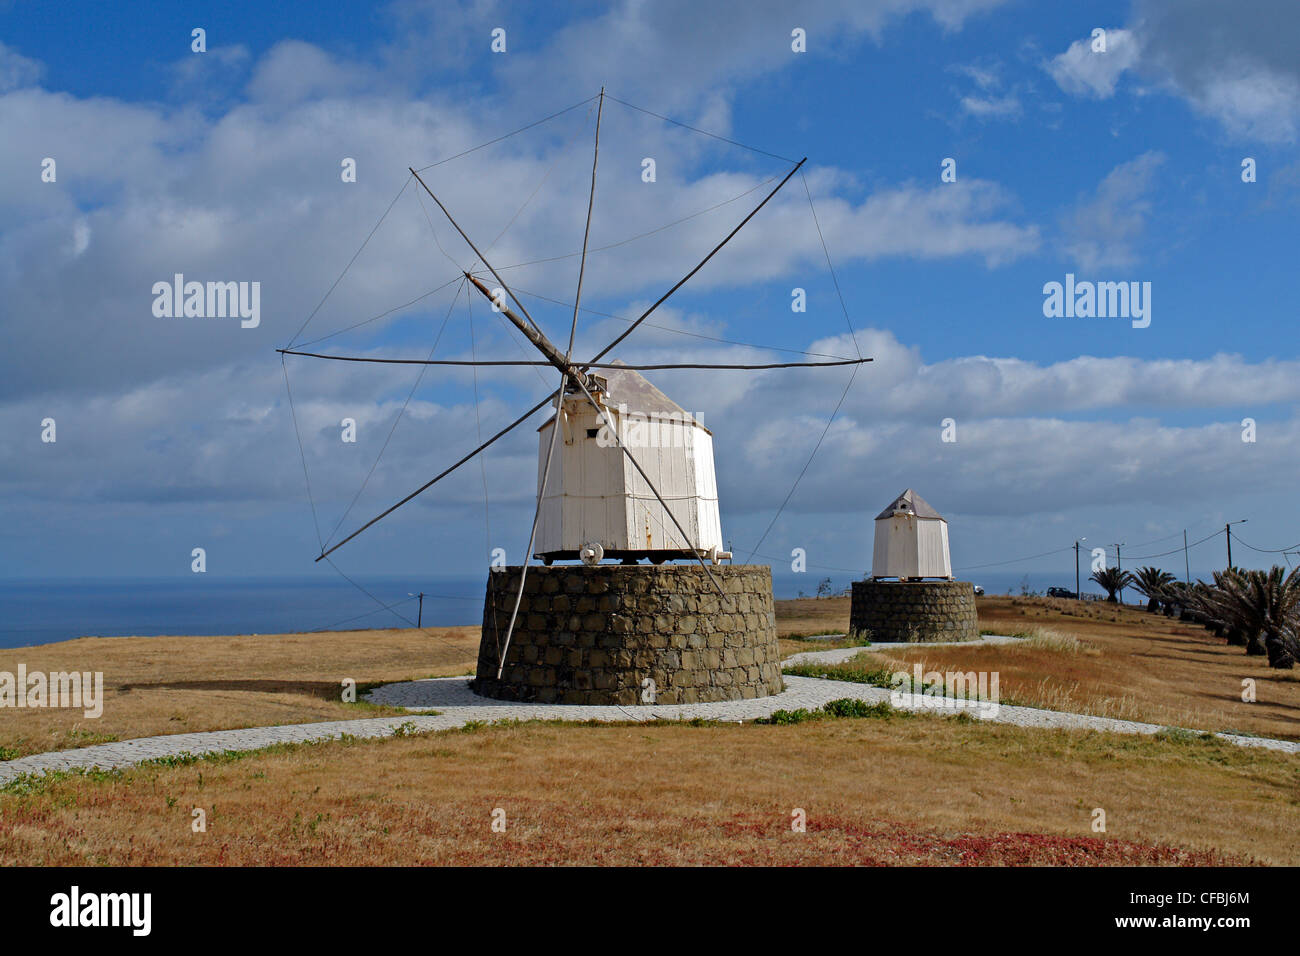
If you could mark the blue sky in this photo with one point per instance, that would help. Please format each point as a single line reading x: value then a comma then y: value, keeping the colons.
x: 224, y: 165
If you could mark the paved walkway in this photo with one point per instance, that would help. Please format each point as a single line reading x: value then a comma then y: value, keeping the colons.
x: 838, y: 655
x: 457, y: 705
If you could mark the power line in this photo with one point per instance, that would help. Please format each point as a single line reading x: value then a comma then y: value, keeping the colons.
x: 1163, y: 554
x: 1030, y: 557
x: 1267, y: 550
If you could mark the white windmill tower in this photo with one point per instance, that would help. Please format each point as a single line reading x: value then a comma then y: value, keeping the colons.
x: 597, y: 505
x: 911, y: 541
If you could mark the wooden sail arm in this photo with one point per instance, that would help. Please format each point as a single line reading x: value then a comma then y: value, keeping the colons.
x: 443, y: 474
x: 515, y: 363
x: 534, y: 335
x: 470, y: 242
x: 681, y: 282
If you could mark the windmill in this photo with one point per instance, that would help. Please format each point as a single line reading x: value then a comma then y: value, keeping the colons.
x: 592, y: 401
x: 911, y: 594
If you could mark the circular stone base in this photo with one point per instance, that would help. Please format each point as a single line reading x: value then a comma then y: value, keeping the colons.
x: 597, y: 634
x: 889, y: 611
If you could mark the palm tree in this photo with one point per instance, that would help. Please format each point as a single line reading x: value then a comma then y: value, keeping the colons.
x: 1267, y: 606
x: 1152, y: 582
x: 1225, y: 609
x: 1201, y: 597
x: 1112, y: 580
x: 1175, y: 598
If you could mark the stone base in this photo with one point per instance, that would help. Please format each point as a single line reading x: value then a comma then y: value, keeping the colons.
x: 886, y: 611
x: 595, y: 634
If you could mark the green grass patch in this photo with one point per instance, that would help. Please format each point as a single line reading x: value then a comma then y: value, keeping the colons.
x: 875, y: 676
x: 86, y: 738
x: 1179, y: 735
x: 844, y: 707
x: 852, y: 707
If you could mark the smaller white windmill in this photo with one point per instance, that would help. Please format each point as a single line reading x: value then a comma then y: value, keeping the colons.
x: 911, y: 541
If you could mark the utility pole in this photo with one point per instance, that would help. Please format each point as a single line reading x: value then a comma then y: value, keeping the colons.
x: 1187, y: 568
x: 1227, y: 533
x: 1078, y: 595
x: 1119, y: 566
x: 419, y: 614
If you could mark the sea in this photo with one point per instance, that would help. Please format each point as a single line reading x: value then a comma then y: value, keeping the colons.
x: 44, y: 611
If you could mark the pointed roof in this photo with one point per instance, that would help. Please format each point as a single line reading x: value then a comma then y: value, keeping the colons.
x: 629, y: 387
x: 909, y: 500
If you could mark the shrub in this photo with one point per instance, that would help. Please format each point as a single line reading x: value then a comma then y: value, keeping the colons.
x: 852, y: 707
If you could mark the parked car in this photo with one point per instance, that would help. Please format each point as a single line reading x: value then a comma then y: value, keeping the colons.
x: 978, y: 590
x: 1061, y: 593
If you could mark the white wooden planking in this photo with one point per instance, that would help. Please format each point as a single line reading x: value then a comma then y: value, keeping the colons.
x: 910, y: 545
x: 596, y: 494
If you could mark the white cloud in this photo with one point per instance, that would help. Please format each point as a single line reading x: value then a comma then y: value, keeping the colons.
x: 1253, y: 102
x: 293, y: 71
x: 1104, y: 229
x: 989, y: 100
x: 1234, y: 63
x: 17, y: 70
x: 254, y: 194
x: 995, y: 107
x: 1083, y: 72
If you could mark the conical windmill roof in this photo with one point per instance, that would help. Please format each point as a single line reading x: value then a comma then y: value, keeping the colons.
x: 629, y: 387
x: 909, y: 500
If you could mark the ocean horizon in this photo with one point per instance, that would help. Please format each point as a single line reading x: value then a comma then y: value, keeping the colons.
x: 42, y: 611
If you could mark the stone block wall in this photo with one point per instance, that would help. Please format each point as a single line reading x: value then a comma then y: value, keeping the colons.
x: 914, y: 611
x: 592, y: 634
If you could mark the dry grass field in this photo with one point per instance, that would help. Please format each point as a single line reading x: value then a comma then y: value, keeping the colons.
x: 1113, y: 662
x: 880, y: 790
x: 810, y: 617
x: 925, y: 789
x: 172, y: 685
